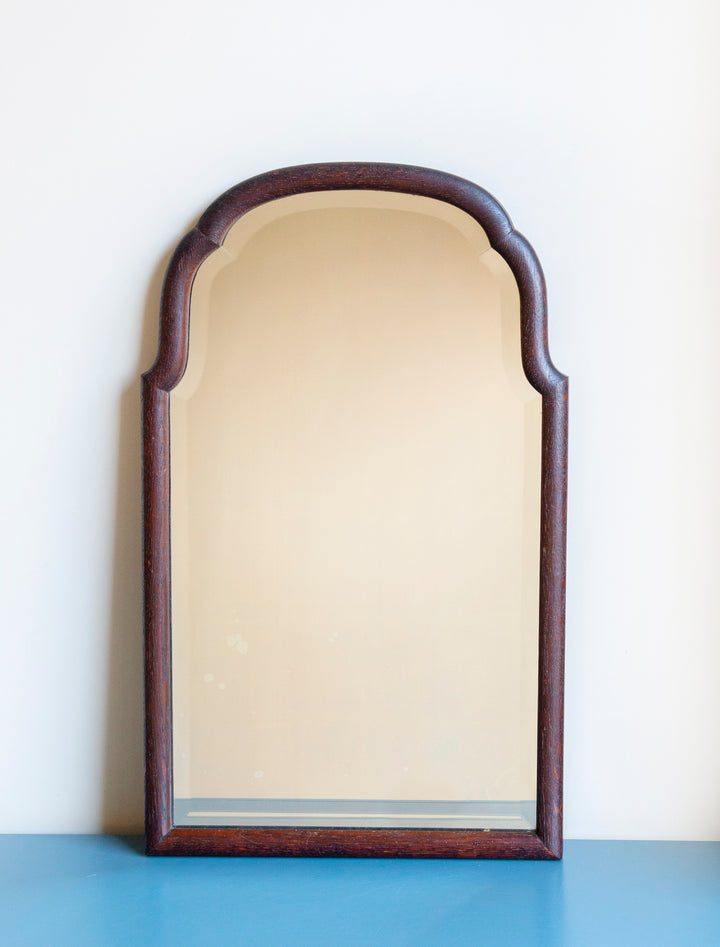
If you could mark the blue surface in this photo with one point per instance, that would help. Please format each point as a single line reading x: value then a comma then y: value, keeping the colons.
x: 82, y: 890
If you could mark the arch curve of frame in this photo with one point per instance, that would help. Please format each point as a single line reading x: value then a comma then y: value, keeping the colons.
x: 169, y: 367
x: 209, y: 233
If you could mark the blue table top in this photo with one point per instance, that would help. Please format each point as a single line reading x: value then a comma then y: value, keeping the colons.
x: 101, y: 890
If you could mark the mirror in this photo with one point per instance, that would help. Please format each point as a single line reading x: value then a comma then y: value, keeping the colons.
x: 365, y: 653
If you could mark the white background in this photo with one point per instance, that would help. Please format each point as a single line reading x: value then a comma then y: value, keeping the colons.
x: 595, y: 124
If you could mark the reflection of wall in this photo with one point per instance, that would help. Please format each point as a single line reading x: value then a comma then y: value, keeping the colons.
x: 355, y: 532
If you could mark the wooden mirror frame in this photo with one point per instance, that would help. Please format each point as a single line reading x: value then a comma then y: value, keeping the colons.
x: 163, y: 838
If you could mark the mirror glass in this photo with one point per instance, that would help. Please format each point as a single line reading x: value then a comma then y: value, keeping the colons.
x: 355, y: 525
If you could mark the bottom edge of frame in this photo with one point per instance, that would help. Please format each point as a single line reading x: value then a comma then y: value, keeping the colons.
x: 366, y: 843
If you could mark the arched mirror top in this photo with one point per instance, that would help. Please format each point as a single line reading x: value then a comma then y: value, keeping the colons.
x: 458, y: 200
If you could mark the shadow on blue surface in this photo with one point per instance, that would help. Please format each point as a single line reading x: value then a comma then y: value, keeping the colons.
x: 83, y: 890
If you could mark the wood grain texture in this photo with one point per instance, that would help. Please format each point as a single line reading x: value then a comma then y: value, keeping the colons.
x: 361, y: 843
x: 168, y: 369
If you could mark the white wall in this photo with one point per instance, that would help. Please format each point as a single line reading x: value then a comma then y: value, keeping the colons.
x: 596, y: 126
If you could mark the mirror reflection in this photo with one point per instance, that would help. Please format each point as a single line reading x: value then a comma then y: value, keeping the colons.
x: 355, y: 525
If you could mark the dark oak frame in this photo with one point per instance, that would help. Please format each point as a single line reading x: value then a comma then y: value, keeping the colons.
x: 162, y: 837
